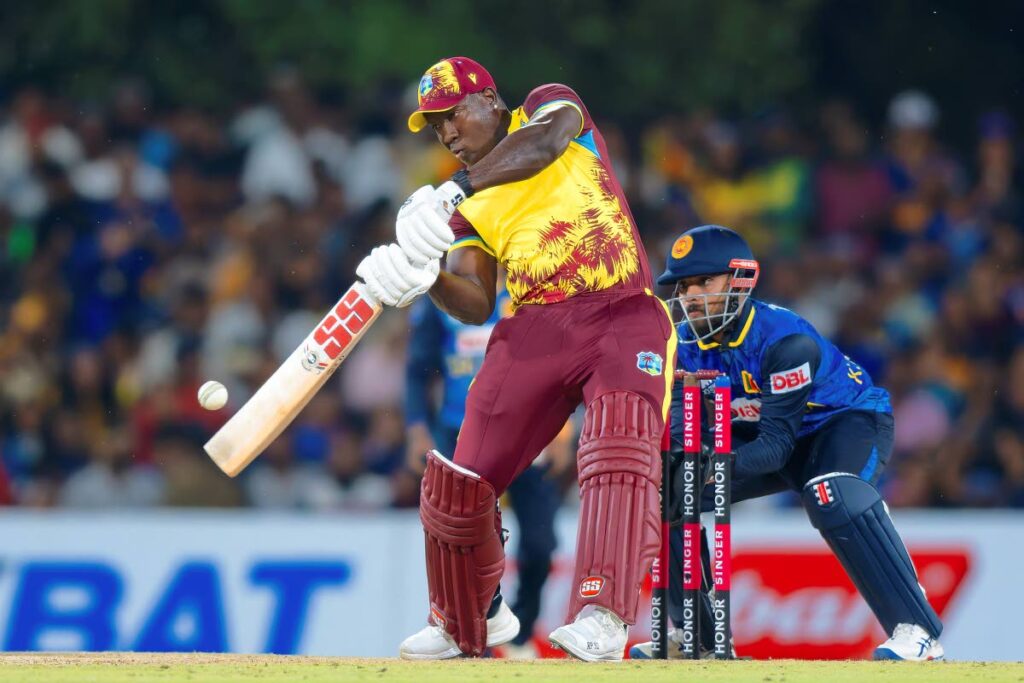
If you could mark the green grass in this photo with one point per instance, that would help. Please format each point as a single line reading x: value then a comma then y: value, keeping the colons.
x: 140, y: 668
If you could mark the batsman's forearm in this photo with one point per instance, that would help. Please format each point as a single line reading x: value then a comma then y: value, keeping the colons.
x: 519, y: 156
x: 463, y: 298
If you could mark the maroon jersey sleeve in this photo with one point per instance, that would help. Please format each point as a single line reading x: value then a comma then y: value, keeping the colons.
x: 465, y: 234
x: 552, y: 93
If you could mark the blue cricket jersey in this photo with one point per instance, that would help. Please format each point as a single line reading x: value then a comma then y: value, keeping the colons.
x: 442, y: 347
x: 785, y: 377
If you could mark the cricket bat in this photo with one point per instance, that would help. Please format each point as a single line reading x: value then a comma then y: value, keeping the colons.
x: 275, y: 404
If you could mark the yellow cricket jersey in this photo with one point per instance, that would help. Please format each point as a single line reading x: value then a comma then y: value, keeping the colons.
x: 566, y: 230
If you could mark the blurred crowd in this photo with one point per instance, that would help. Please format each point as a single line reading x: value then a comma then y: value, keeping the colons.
x: 146, y: 248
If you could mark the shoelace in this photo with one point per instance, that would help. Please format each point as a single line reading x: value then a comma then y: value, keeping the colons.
x: 908, y: 631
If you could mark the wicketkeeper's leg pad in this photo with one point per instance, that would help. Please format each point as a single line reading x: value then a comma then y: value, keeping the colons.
x: 854, y: 521
x: 620, y: 519
x: 465, y: 557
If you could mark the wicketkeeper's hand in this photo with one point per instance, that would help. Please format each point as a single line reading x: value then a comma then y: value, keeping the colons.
x: 422, y: 224
x: 392, y: 279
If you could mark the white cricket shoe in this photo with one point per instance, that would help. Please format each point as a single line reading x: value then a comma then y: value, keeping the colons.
x: 910, y: 643
x: 597, y: 636
x: 432, y: 642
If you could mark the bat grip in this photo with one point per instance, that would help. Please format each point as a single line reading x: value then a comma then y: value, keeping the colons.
x: 365, y: 293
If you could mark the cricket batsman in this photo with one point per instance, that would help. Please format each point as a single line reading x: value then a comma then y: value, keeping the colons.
x: 537, y: 195
x: 807, y: 419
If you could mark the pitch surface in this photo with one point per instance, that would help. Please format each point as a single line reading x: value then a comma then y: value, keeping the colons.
x: 203, y: 668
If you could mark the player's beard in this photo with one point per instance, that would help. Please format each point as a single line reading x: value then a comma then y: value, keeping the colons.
x: 700, y: 323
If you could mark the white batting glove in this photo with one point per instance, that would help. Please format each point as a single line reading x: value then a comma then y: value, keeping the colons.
x: 392, y: 279
x: 449, y: 195
x: 422, y: 225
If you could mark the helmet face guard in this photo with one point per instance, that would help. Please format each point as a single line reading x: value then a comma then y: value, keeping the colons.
x: 696, y: 327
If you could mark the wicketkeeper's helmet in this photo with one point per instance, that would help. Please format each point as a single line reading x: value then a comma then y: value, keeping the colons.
x: 709, y: 250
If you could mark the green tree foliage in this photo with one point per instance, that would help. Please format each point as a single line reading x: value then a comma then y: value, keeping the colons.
x: 626, y: 57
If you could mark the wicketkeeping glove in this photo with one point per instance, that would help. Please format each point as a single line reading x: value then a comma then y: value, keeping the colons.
x: 392, y: 279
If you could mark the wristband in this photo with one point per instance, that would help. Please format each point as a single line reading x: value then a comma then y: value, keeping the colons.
x: 461, y: 178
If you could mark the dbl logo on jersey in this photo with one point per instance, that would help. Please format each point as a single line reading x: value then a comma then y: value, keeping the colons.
x: 790, y: 380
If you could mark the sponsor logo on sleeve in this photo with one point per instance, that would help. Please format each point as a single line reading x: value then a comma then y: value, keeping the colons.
x: 790, y: 380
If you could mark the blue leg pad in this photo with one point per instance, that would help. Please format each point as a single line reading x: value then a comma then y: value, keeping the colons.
x: 855, y: 523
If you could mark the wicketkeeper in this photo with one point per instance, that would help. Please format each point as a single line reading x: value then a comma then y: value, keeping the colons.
x: 805, y: 418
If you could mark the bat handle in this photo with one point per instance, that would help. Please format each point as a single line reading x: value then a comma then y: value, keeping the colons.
x: 364, y: 292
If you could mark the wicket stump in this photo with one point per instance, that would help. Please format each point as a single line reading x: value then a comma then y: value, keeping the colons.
x: 693, y: 483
